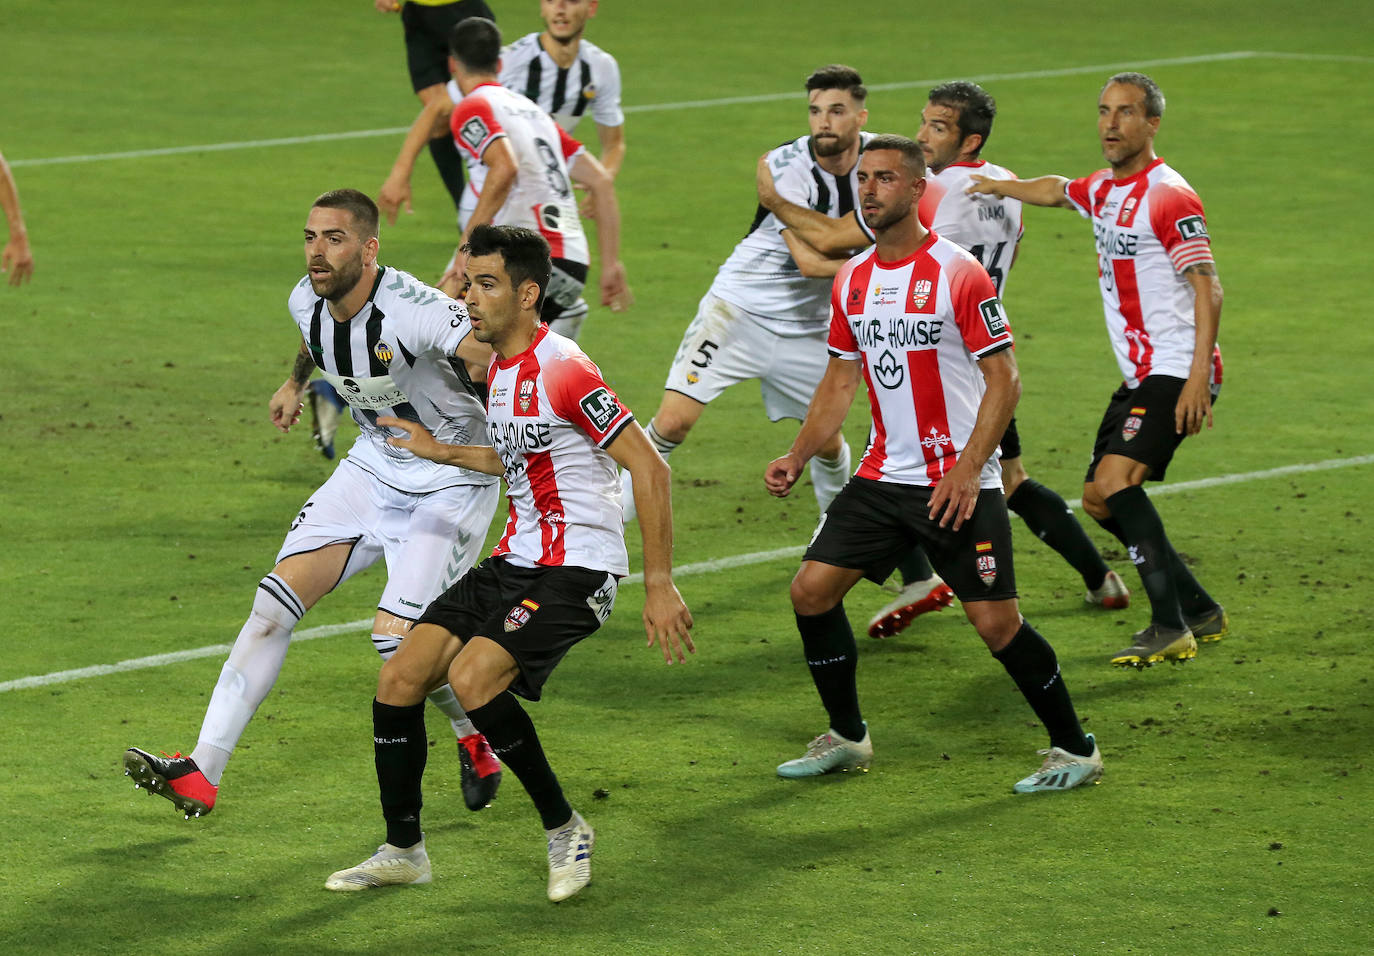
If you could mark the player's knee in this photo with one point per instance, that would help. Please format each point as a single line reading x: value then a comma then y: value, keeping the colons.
x: 808, y: 600
x: 995, y: 621
x: 672, y: 425
x: 1093, y: 503
x: 401, y: 683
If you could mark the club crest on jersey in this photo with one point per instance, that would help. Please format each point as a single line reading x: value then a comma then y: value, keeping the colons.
x: 693, y: 378
x: 383, y: 353
x: 920, y: 293
x: 1127, y: 214
x: 987, y: 563
x: 589, y: 93
x: 519, y: 615
x: 526, y: 396
x: 1133, y: 422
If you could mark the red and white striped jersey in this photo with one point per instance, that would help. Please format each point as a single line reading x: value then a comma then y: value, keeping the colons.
x: 542, y: 196
x: 1149, y: 228
x: 989, y: 227
x: 919, y: 327
x: 551, y: 415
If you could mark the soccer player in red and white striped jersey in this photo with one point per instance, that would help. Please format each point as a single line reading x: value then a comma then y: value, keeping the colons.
x: 917, y: 320
x: 558, y: 433
x: 1162, y: 299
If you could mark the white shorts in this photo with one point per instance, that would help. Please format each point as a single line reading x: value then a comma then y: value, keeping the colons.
x: 724, y: 346
x: 428, y: 540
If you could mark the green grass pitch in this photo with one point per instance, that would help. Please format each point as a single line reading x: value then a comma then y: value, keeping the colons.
x: 143, y: 494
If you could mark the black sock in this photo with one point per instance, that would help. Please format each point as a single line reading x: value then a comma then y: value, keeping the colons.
x: 833, y: 656
x: 401, y: 747
x: 1030, y: 661
x: 1046, y: 514
x: 511, y: 734
x: 450, y: 166
x: 1113, y: 527
x: 1192, y: 597
x: 915, y: 566
x: 1150, y: 550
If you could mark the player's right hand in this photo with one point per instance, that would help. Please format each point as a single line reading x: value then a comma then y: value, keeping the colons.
x: 763, y: 181
x: 392, y: 196
x: 285, y: 405
x: 387, y: 6
x: 781, y: 474
x: 980, y: 184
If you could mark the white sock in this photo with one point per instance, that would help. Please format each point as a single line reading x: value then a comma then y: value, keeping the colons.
x: 248, y: 675
x: 442, y: 697
x: 828, y: 476
x: 627, y: 490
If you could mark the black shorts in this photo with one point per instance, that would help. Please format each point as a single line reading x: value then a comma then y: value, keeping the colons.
x: 1139, y: 425
x: 426, y: 30
x: 563, y: 297
x: 536, y: 614
x: 1011, y: 441
x: 871, y: 525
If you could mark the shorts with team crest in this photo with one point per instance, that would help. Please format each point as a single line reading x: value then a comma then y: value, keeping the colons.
x: 536, y: 614
x: 724, y: 346
x: 872, y: 525
x: 1139, y: 425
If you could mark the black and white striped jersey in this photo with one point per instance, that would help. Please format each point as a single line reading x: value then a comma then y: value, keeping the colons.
x: 397, y: 357
x: 760, y: 276
x: 591, y: 86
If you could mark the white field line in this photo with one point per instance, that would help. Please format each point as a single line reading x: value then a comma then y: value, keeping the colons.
x: 699, y: 567
x: 1103, y: 68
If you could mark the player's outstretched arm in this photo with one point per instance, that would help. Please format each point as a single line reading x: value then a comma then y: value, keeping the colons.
x: 829, y: 237
x: 1195, y: 401
x: 956, y: 494
x: 1045, y: 191
x: 430, y: 124
x: 588, y: 172
x: 419, y: 442
x: 666, y: 618
x: 824, y: 416
x: 285, y: 404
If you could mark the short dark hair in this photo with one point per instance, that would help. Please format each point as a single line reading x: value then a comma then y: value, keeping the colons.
x: 524, y: 252
x: 838, y: 77
x: 476, y: 44
x: 975, y: 105
x: 1154, y: 97
x: 358, y: 205
x: 912, y: 157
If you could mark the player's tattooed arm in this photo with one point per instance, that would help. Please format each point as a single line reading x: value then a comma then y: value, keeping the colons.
x: 1194, y: 407
x: 304, y: 365
x: 285, y: 405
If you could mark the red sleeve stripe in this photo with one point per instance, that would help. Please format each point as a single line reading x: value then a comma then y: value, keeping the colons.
x: 1190, y: 253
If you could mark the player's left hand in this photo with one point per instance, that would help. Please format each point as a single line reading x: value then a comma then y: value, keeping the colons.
x: 980, y: 184
x: 615, y: 287
x: 667, y: 621
x: 418, y: 441
x: 1193, y: 408
x: 955, y: 496
x: 763, y: 181
x: 781, y: 474
x: 17, y: 259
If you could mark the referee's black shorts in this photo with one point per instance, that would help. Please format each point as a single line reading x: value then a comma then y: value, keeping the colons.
x: 426, y: 31
x: 535, y: 614
x: 871, y: 525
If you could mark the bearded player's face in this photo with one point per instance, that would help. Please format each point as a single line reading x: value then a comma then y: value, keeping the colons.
x: 836, y: 118
x: 334, y: 252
